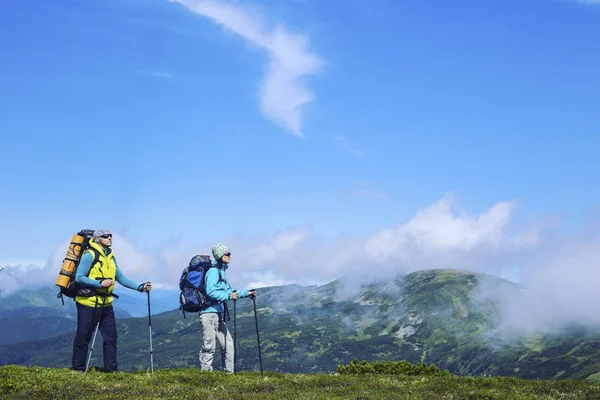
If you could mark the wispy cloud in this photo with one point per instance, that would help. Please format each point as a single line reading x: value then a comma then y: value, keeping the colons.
x: 283, y: 92
x: 156, y: 74
x: 367, y: 190
x: 343, y: 141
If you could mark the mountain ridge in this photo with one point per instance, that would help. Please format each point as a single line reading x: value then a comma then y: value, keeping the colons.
x: 432, y: 316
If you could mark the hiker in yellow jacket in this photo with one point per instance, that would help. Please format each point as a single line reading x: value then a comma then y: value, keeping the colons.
x: 98, y: 270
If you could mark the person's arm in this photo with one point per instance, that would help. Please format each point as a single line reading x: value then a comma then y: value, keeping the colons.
x: 212, y: 290
x: 242, y: 294
x: 125, y: 281
x: 84, y: 269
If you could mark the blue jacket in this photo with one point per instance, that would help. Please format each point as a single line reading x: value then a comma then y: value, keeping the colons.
x: 84, y: 269
x: 217, y: 289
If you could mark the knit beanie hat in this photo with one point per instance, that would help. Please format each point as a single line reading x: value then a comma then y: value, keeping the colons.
x: 219, y: 250
x: 98, y: 233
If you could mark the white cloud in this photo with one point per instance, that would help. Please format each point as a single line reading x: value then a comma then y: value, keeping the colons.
x: 437, y: 228
x: 561, y: 283
x: 283, y: 242
x: 283, y: 92
x: 137, y: 262
x: 15, y: 276
x: 266, y: 279
x: 560, y: 273
x: 21, y: 262
x: 437, y: 236
x: 347, y: 147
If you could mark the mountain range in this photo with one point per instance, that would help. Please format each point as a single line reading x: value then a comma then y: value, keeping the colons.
x: 431, y: 316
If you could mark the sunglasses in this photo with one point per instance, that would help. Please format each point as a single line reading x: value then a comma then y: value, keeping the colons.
x: 106, y: 236
x: 227, y: 254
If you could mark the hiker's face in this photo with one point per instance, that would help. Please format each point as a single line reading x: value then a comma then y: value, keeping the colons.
x: 106, y: 240
x: 226, y: 258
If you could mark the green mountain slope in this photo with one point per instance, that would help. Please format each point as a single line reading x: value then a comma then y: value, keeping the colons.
x: 39, y: 297
x: 28, y: 315
x: 33, y: 323
x: 434, y: 316
x: 45, y: 297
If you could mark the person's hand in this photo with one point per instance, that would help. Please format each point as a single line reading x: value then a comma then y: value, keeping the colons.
x: 147, y: 287
x: 106, y: 283
x: 252, y: 294
x: 233, y: 295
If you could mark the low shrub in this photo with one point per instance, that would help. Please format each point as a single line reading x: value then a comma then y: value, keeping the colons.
x: 391, y: 368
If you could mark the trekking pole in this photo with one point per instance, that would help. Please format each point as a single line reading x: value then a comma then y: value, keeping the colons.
x: 150, y: 328
x: 257, y: 336
x: 234, y: 334
x: 87, y: 364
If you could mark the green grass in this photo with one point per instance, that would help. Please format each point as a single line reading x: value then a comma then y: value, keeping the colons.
x: 17, y: 382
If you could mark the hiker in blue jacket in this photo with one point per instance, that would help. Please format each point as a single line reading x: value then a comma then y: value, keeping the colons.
x: 212, y: 316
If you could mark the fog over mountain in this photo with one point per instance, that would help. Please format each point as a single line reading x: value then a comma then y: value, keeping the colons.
x: 558, y: 271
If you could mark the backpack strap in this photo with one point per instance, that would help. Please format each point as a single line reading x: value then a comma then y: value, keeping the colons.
x: 96, y: 256
x: 220, y: 277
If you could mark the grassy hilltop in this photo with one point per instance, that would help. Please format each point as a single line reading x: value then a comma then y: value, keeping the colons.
x: 18, y: 382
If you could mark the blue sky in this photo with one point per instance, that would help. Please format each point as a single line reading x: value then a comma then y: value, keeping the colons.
x: 392, y: 130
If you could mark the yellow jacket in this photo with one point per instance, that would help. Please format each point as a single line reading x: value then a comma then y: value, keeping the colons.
x: 104, y: 268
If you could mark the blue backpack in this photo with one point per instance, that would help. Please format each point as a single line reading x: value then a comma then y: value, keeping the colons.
x: 192, y: 285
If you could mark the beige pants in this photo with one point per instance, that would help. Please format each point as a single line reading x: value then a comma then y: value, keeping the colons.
x: 213, y: 329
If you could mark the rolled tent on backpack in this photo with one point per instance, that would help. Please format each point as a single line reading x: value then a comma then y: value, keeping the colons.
x: 70, y: 262
x: 66, y: 277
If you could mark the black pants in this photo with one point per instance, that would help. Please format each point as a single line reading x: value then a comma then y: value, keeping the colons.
x: 87, y: 318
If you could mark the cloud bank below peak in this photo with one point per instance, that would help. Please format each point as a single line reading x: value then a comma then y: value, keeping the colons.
x: 283, y: 92
x: 559, y: 272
